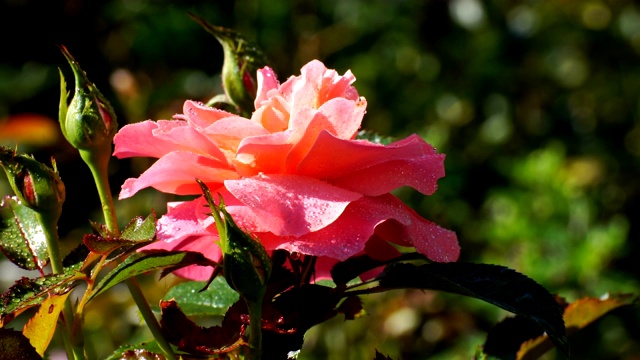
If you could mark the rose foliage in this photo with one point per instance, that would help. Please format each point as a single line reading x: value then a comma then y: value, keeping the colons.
x: 293, y: 175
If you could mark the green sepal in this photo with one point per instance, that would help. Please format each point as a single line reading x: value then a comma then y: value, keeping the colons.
x: 246, y: 263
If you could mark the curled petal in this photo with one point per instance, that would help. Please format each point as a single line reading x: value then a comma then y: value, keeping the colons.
x: 201, y: 115
x: 317, y: 85
x: 156, y: 139
x: 374, y: 169
x: 176, y: 173
x: 387, y: 217
x: 267, y: 81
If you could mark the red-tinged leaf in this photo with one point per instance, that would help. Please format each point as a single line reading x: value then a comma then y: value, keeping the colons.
x: 577, y: 315
x: 150, y: 260
x: 81, y: 258
x: 40, y: 328
x: 14, y: 345
x: 194, y: 339
x: 100, y: 229
x: 22, y: 238
x: 293, y: 312
x: 105, y: 246
x: 138, y: 232
x: 26, y: 293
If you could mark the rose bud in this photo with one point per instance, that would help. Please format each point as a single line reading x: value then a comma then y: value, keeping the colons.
x: 35, y: 184
x: 89, y: 122
x: 242, y: 59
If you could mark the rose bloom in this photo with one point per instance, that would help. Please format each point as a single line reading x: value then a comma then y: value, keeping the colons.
x: 293, y: 175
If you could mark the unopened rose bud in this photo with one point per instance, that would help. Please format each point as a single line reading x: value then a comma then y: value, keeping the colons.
x: 89, y: 122
x: 35, y: 184
x: 246, y: 263
x: 242, y: 59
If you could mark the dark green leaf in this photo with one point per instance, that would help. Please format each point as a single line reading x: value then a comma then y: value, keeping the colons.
x: 214, y: 301
x: 347, y: 270
x: 22, y: 238
x: 15, y: 346
x: 150, y: 260
x: 26, y: 292
x: 494, y: 284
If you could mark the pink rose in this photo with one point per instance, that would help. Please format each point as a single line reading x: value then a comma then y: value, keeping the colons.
x: 293, y: 175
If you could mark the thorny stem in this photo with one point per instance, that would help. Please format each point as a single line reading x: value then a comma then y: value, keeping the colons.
x: 99, y: 165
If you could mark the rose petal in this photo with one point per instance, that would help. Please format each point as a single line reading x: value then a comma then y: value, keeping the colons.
x: 339, y: 117
x: 374, y: 169
x: 263, y: 154
x: 348, y: 235
x: 202, y: 116
x: 176, y: 173
x: 267, y: 81
x: 290, y: 205
x: 187, y: 226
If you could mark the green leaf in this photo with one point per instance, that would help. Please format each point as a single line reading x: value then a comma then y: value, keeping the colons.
x: 150, y: 260
x: 494, y: 284
x: 140, y: 230
x: 14, y: 345
x: 22, y: 238
x: 26, y: 293
x: 214, y: 301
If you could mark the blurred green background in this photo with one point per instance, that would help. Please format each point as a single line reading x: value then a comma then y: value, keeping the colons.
x: 535, y: 103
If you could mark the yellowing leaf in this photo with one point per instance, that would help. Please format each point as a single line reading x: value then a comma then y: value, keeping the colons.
x: 577, y: 316
x: 40, y: 328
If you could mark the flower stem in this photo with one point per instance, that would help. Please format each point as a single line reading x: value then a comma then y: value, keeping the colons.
x: 98, y: 164
x: 255, y: 329
x: 72, y: 340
